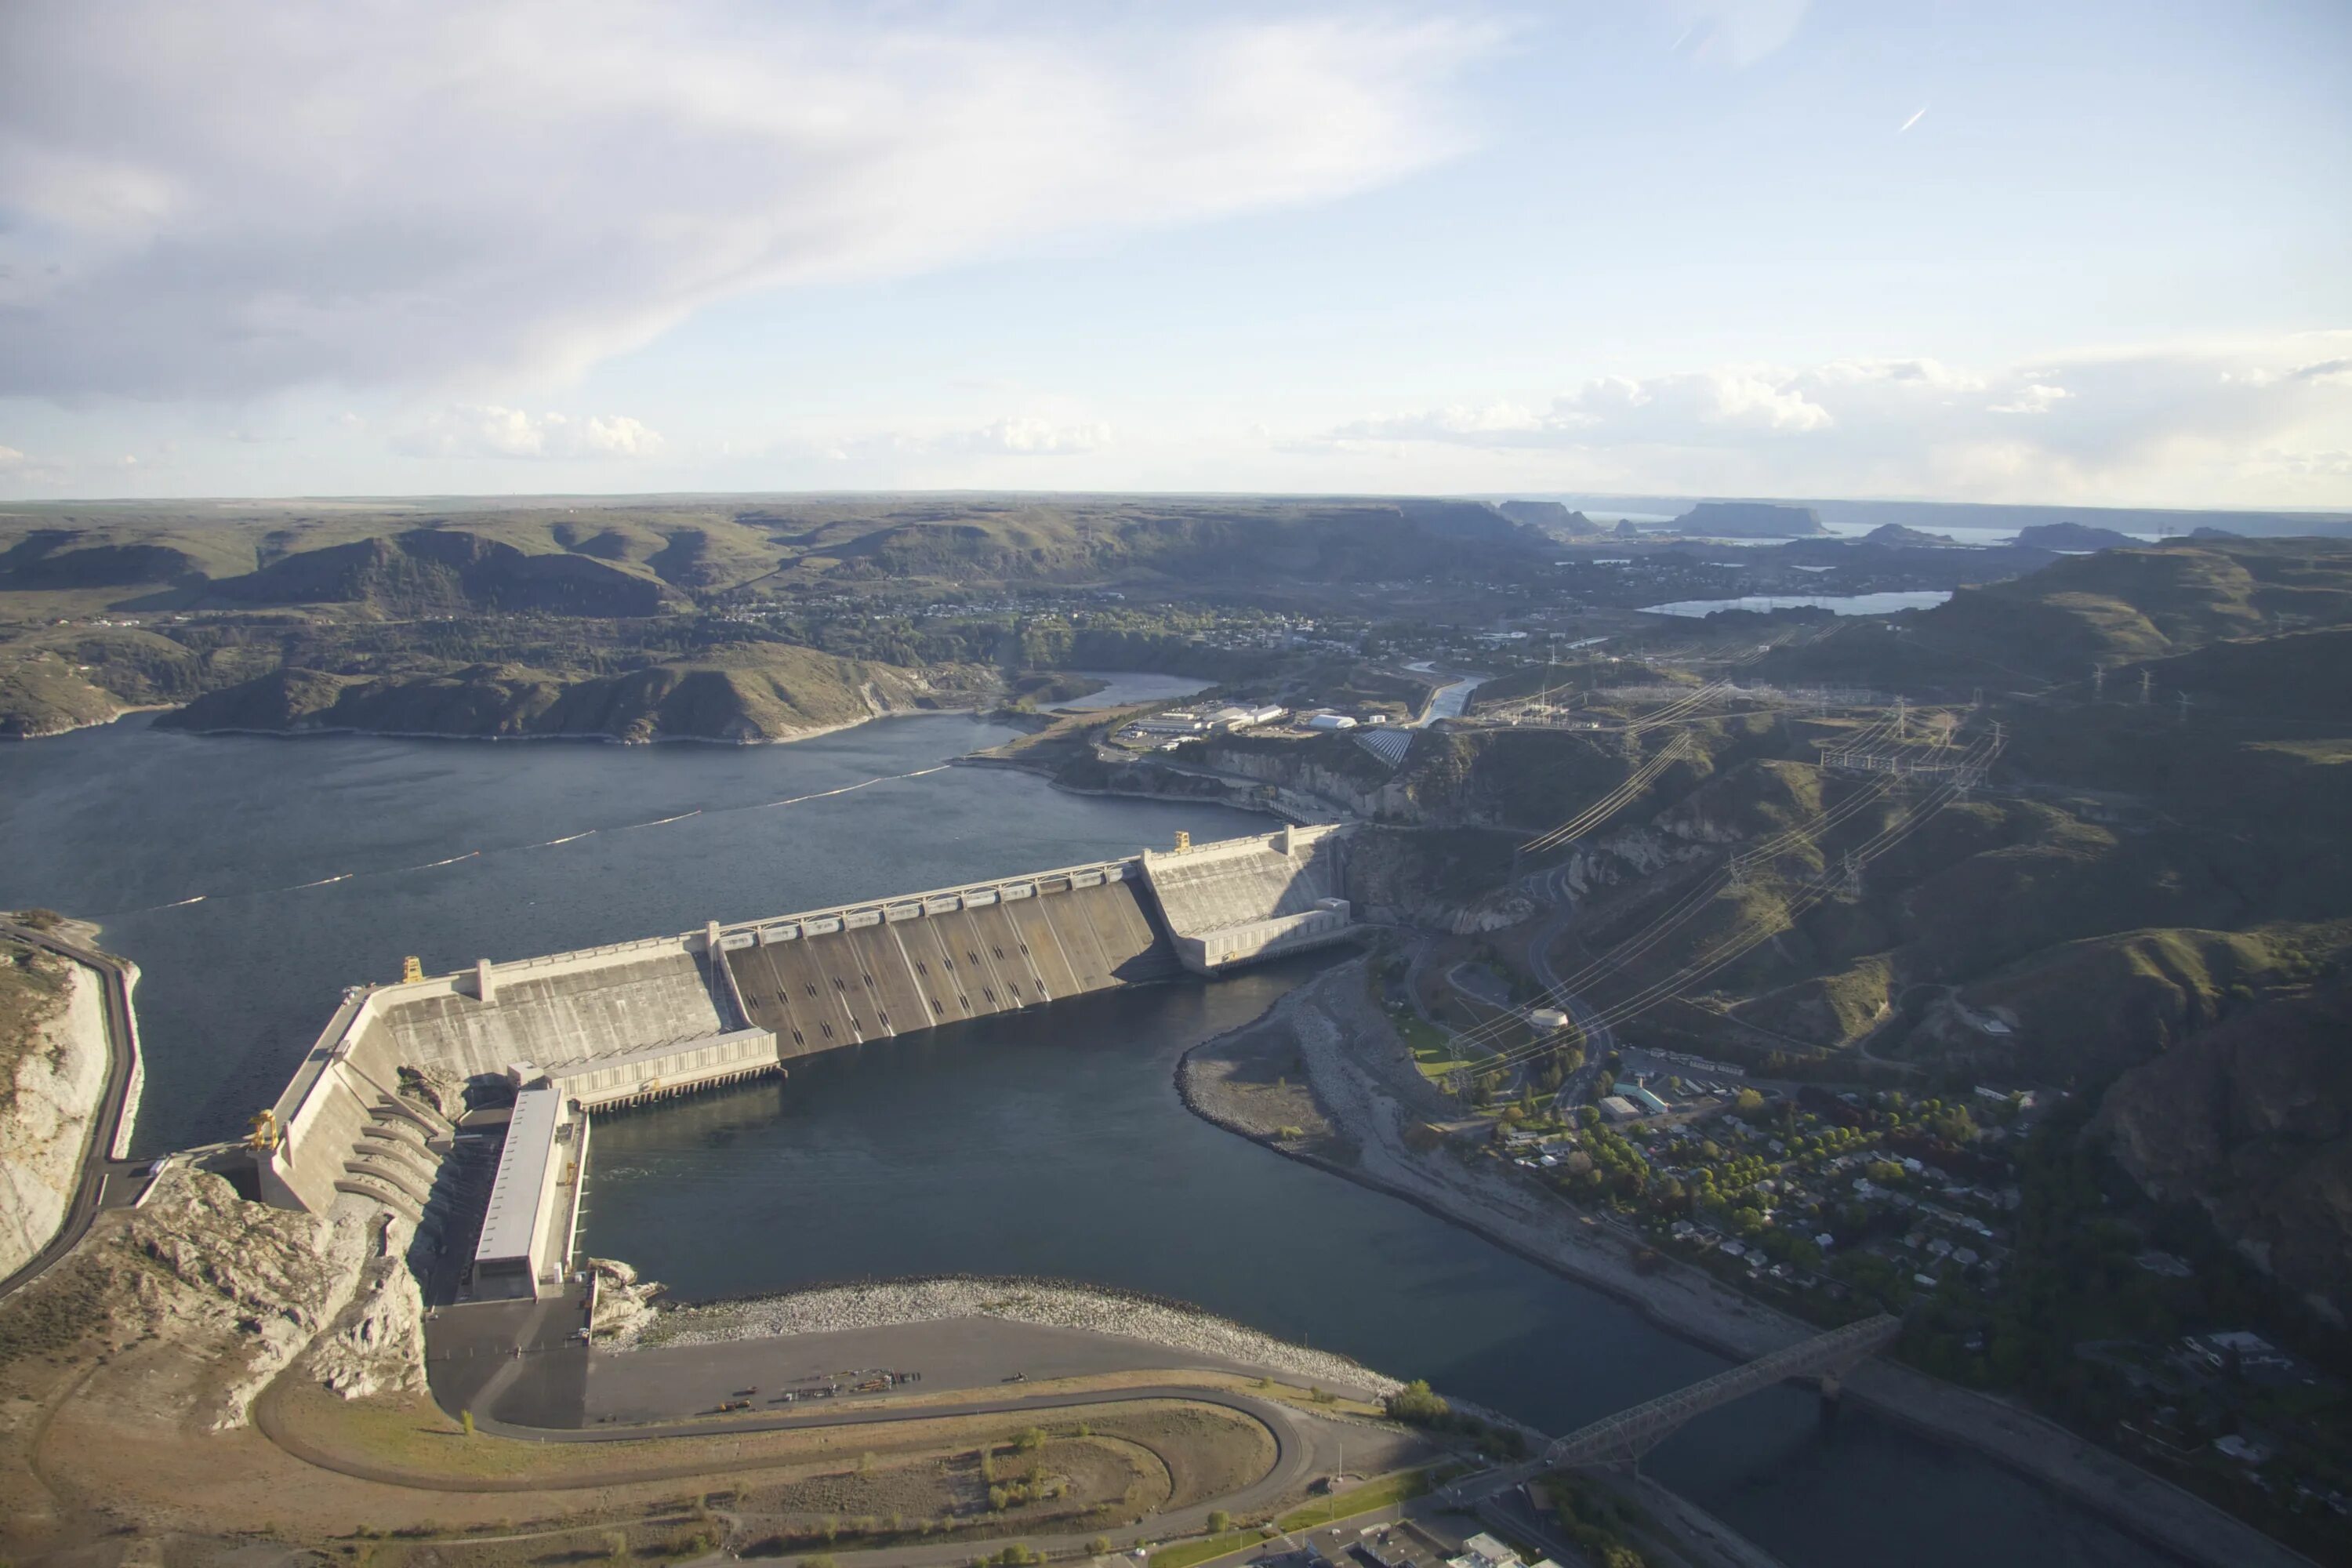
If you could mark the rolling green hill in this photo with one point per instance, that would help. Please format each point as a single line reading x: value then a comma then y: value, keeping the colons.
x: 2114, y: 608
x: 752, y: 692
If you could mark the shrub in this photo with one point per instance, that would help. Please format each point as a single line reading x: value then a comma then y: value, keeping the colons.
x: 1416, y: 1404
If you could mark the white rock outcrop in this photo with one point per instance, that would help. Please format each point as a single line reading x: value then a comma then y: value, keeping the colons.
x: 45, y: 1113
x: 376, y: 1344
x: 625, y: 1303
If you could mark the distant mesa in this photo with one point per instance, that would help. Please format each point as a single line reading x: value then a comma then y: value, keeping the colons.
x: 1553, y: 518
x: 1749, y: 520
x: 1896, y: 533
x: 2076, y: 536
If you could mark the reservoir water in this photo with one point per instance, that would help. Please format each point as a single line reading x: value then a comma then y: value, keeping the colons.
x: 1124, y: 685
x: 1884, y: 603
x: 1048, y: 1143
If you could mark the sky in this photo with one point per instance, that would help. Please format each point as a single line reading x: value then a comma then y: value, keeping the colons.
x: 2067, y: 251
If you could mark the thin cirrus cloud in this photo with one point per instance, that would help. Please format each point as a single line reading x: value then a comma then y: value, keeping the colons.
x: 2164, y: 422
x: 236, y: 198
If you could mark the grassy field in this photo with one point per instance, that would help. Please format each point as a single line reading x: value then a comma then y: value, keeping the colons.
x: 1185, y: 1554
x: 1356, y: 1501
x: 1379, y: 1494
x: 1432, y: 1049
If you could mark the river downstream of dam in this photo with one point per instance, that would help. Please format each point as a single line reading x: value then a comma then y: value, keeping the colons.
x: 253, y: 878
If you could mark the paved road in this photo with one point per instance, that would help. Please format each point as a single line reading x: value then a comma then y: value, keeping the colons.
x: 105, y: 1183
x: 1304, y: 1448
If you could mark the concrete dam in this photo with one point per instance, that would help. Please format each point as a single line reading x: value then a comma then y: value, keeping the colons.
x: 376, y: 1109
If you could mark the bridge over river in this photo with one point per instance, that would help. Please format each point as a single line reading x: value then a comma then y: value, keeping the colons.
x: 1621, y: 1440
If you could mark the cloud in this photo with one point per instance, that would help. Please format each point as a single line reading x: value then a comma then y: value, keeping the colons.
x: 1015, y: 436
x: 1612, y: 409
x: 2227, y: 424
x: 1035, y: 438
x: 12, y: 459
x: 1735, y: 34
x: 487, y: 430
x: 2033, y: 397
x: 434, y: 194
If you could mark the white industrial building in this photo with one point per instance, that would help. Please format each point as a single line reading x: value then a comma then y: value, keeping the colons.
x: 517, y: 1255
x: 1330, y: 722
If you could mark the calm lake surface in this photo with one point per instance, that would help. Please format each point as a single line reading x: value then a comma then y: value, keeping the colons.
x: 1051, y: 1143
x: 1125, y: 685
x: 1841, y: 604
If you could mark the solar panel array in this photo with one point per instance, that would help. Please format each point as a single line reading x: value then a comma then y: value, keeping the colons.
x: 1388, y: 745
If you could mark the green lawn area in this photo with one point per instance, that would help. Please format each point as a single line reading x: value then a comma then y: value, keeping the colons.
x: 1432, y: 1048
x: 1184, y: 1553
x: 1358, y: 1500
x: 1346, y: 1505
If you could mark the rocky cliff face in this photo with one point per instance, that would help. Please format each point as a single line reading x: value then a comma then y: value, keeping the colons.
x: 376, y: 1343
x: 2250, y: 1119
x: 52, y: 1076
x: 1438, y: 880
x: 225, y: 1294
x: 1334, y: 779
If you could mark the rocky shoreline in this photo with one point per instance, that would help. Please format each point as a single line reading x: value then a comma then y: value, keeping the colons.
x: 1047, y: 1303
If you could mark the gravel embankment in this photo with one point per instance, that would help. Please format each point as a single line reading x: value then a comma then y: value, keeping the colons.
x: 1049, y: 1303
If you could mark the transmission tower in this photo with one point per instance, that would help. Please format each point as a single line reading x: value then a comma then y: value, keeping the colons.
x: 2099, y: 683
x: 2146, y: 679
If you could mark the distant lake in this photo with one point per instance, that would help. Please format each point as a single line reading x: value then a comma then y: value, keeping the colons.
x: 1127, y: 685
x: 1841, y: 604
x: 1958, y: 535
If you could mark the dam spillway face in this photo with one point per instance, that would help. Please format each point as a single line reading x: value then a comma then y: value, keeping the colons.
x: 842, y: 976
x: 1238, y: 901
x: 377, y: 1109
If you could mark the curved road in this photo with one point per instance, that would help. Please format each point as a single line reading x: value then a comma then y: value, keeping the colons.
x: 97, y: 1168
x: 1299, y: 1453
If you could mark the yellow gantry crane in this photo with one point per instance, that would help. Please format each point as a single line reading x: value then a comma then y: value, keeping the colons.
x: 411, y: 969
x: 263, y: 1137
